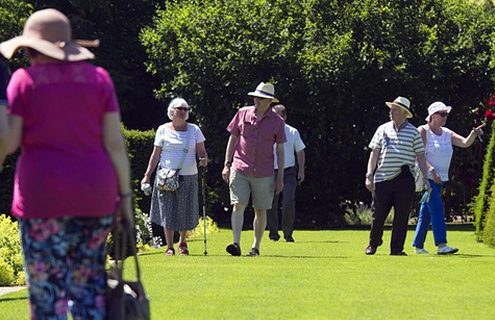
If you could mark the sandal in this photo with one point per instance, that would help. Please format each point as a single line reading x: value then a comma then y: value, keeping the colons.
x: 183, y: 251
x: 170, y: 252
x: 253, y: 253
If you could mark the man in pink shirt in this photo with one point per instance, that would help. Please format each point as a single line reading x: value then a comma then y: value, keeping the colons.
x: 253, y: 131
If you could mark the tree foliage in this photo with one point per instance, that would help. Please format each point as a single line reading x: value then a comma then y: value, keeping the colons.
x: 334, y: 64
x: 12, y: 16
x: 116, y: 23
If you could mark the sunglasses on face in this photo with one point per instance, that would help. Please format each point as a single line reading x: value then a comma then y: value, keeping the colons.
x: 182, y: 109
x: 442, y: 114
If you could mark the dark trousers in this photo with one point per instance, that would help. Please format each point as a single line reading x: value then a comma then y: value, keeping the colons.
x: 399, y: 194
x: 288, y: 205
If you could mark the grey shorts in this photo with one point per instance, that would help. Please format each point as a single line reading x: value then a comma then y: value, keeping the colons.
x: 242, y: 186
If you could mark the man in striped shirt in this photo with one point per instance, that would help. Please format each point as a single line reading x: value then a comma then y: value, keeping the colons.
x: 394, y: 148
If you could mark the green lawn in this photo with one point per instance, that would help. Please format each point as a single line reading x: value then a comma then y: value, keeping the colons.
x: 324, y: 275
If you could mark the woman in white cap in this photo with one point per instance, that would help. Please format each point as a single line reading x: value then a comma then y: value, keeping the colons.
x: 72, y: 178
x: 438, y: 142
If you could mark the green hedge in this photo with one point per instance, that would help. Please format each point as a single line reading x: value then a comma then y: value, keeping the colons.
x: 139, y: 147
x: 334, y: 64
x: 484, y: 200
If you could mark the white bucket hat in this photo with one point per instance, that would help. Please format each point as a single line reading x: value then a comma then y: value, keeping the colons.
x: 49, y: 32
x: 264, y: 90
x: 403, y: 103
x: 436, y: 107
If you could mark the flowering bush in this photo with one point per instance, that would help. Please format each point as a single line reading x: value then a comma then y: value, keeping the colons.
x: 144, y: 235
x: 198, y: 232
x: 11, y: 263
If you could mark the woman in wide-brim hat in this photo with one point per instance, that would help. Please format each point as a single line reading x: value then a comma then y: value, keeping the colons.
x: 73, y: 172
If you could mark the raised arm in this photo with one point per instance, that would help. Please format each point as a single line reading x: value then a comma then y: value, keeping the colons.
x: 462, y: 142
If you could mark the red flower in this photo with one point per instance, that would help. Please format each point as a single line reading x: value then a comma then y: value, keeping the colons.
x: 491, y: 101
x: 489, y: 115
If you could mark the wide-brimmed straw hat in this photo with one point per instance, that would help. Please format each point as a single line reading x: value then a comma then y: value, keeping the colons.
x: 264, y: 90
x: 437, y: 107
x: 403, y: 103
x: 49, y: 32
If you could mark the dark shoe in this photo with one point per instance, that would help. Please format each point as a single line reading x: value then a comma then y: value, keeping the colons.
x: 183, y: 251
x: 402, y: 253
x: 290, y: 239
x: 370, y: 250
x: 253, y: 253
x: 274, y: 236
x: 234, y: 249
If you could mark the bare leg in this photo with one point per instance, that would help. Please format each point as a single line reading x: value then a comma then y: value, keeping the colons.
x: 169, y: 237
x: 237, y: 220
x: 259, y: 225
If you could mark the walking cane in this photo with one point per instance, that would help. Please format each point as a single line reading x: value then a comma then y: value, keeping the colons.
x: 203, y: 192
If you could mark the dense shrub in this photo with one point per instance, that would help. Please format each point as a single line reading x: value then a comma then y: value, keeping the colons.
x: 484, y: 202
x: 334, y: 63
x: 139, y: 147
x: 11, y: 263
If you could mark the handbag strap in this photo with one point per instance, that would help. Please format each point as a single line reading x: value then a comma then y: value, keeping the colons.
x: 185, y: 150
x: 119, y: 251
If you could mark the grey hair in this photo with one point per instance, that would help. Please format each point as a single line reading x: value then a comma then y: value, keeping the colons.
x: 177, y: 102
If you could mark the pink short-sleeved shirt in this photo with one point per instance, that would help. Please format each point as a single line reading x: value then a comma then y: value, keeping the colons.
x: 63, y: 169
x: 253, y: 154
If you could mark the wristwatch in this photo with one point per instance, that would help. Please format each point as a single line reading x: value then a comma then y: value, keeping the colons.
x: 369, y: 175
x: 228, y: 163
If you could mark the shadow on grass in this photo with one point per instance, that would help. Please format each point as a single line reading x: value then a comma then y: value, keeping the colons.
x: 467, y: 255
x: 304, y: 257
x: 322, y: 241
x: 13, y: 299
x: 150, y: 253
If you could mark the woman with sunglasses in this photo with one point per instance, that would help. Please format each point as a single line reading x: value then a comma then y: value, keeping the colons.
x: 177, y: 210
x: 438, y: 142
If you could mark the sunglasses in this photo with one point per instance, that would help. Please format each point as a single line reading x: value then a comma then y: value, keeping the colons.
x: 442, y: 114
x: 182, y: 109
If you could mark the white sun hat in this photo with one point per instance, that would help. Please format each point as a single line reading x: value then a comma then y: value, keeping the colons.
x: 402, y: 103
x: 264, y: 90
x: 436, y: 107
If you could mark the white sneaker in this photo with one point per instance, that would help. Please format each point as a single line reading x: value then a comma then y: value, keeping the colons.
x: 421, y: 251
x: 447, y: 250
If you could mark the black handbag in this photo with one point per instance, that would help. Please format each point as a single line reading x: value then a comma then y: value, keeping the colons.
x: 125, y: 300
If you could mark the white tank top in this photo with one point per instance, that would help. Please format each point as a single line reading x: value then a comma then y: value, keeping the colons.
x: 438, y: 151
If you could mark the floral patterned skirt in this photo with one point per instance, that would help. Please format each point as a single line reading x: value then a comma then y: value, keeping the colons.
x: 65, y: 261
